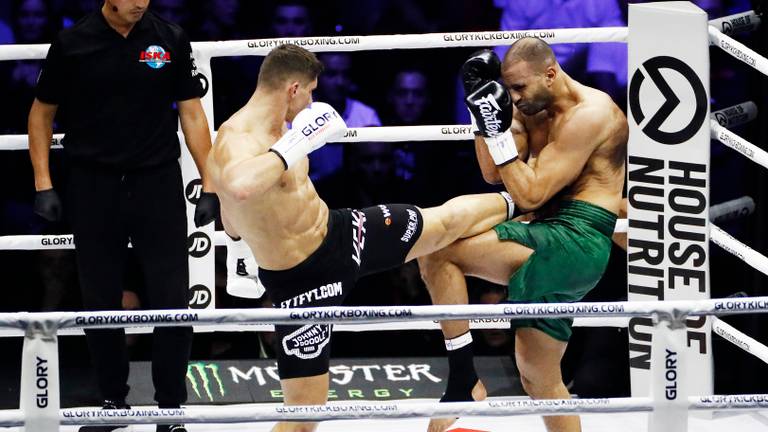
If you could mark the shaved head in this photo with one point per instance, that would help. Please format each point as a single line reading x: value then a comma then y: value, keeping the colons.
x: 528, y: 72
x: 533, y: 51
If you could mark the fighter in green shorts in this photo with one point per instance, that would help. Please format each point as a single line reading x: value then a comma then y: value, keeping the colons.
x: 570, y: 253
x: 559, y: 149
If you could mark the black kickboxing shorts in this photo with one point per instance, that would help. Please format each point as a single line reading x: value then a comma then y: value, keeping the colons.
x: 358, y: 243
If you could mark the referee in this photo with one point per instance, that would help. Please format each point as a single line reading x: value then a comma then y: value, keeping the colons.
x: 114, y: 78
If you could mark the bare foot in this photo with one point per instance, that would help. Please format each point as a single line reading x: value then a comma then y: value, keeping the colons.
x: 442, y: 424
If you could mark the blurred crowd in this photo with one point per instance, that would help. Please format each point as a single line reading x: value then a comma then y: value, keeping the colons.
x: 372, y: 88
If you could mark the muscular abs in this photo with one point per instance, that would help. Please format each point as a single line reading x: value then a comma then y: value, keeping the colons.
x: 285, y: 224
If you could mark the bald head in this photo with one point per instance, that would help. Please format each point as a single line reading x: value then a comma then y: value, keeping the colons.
x: 533, y: 51
x: 529, y: 71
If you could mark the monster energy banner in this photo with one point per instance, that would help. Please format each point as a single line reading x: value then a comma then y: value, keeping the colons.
x: 246, y: 381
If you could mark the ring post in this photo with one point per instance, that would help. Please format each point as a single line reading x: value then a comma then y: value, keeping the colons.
x: 668, y: 180
x: 39, y: 396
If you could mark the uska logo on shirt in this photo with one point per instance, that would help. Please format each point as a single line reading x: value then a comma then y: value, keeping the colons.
x: 155, y: 56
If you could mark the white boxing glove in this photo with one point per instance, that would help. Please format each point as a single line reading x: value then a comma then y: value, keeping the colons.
x: 242, y: 270
x: 314, y: 126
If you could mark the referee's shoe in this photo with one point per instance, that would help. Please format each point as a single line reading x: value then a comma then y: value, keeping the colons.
x: 110, y: 405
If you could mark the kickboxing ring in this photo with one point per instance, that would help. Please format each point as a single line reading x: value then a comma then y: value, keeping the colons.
x: 39, y: 404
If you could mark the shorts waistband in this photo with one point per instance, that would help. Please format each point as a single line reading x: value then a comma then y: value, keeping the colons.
x: 594, y: 216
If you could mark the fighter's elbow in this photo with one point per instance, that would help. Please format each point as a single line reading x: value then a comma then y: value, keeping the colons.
x: 528, y: 201
x: 236, y: 188
x: 492, y: 177
x: 240, y: 194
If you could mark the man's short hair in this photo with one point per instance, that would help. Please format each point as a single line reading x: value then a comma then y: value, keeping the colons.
x: 533, y: 51
x: 288, y: 62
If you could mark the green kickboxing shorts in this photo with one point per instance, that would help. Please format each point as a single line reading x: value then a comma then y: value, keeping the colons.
x: 570, y: 254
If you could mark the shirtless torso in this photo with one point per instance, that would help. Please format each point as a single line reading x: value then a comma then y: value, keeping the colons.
x: 601, y: 180
x: 286, y: 222
x: 588, y: 130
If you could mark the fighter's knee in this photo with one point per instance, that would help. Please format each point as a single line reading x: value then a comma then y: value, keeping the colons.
x: 535, y: 388
x: 430, y: 265
x: 539, y: 386
x: 453, y: 214
x: 527, y: 384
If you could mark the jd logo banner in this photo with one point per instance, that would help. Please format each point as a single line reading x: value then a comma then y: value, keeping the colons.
x: 193, y: 191
x: 199, y: 297
x: 652, y: 129
x: 205, y: 381
x: 198, y: 244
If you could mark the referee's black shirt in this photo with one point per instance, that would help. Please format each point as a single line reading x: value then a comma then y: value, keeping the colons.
x: 116, y: 94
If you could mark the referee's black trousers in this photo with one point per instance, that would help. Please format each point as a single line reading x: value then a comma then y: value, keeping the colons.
x: 107, y: 208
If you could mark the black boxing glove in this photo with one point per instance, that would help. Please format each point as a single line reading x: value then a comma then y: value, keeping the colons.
x: 207, y: 209
x: 491, y: 108
x: 480, y: 67
x: 48, y: 205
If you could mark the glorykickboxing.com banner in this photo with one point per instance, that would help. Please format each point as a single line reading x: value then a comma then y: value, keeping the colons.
x: 350, y: 313
x: 136, y: 319
x: 741, y: 305
x: 321, y: 409
x: 524, y: 403
x: 76, y: 414
x: 562, y: 309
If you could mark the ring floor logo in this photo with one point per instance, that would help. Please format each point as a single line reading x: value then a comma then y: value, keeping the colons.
x: 652, y: 129
x: 205, y: 380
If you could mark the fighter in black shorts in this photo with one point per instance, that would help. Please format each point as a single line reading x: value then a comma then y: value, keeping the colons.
x: 358, y: 243
x: 309, y: 255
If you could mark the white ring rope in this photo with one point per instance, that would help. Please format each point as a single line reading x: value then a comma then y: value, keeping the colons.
x: 66, y: 241
x: 746, y: 148
x: 385, y: 42
x: 745, y: 253
x: 666, y: 310
x: 741, y: 340
x: 474, y: 324
x: 21, y: 142
x: 413, y: 41
x: 732, y: 116
x: 262, y: 47
x: 363, y: 134
x: 343, y: 411
x: 384, y: 410
x: 735, y: 115
x: 731, y: 209
x: 737, y: 23
x: 738, y: 50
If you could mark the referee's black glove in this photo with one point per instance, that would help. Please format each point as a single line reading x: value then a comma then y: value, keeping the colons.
x: 207, y: 209
x: 48, y: 205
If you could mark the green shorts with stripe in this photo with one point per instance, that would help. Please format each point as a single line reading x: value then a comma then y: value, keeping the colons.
x: 570, y: 254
